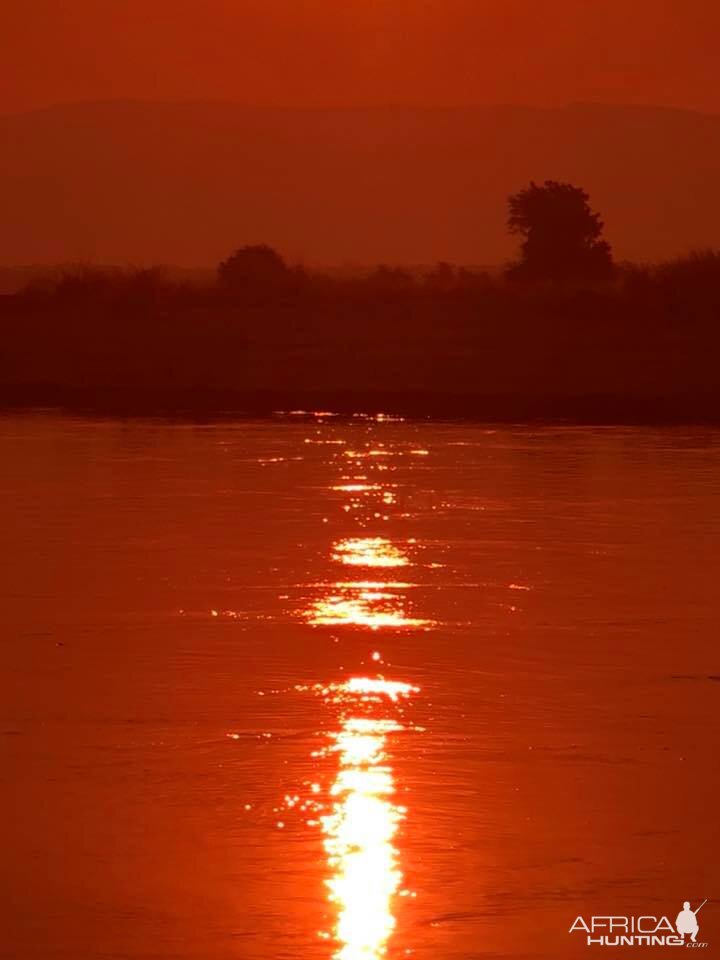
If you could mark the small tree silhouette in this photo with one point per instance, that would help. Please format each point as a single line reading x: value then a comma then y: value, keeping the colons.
x: 254, y: 270
x: 561, y: 235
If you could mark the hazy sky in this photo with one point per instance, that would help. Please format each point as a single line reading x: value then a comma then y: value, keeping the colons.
x: 343, y: 52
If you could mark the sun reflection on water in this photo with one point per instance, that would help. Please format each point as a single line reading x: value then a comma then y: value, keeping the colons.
x: 357, y: 814
x: 356, y: 487
x: 360, y: 830
x: 369, y: 552
x: 363, y: 606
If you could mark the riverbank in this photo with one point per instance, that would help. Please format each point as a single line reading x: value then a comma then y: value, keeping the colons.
x: 197, y: 404
x: 641, y: 349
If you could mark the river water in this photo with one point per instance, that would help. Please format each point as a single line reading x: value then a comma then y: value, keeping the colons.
x: 312, y: 688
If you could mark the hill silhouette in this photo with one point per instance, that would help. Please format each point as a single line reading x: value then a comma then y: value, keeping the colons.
x: 184, y: 182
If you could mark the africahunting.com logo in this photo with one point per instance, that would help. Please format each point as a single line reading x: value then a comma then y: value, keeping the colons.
x: 645, y: 931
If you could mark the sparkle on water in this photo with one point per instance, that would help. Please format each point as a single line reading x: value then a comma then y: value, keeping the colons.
x: 369, y: 552
x: 356, y: 487
x: 363, y: 607
x: 360, y: 830
x: 359, y: 817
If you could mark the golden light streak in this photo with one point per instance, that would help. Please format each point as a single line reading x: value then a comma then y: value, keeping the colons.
x: 370, y: 604
x: 360, y: 454
x: 373, y: 584
x: 369, y: 552
x: 360, y: 830
x: 389, y: 688
x: 356, y: 487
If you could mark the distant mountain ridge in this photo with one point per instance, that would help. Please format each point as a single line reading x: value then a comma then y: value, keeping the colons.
x: 186, y: 182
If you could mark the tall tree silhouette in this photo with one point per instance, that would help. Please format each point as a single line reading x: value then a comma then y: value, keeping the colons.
x: 561, y: 235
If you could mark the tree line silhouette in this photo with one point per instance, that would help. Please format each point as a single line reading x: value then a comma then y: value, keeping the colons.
x: 562, y: 324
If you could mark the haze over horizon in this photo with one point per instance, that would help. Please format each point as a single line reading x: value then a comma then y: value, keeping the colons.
x: 174, y: 131
x: 350, y: 107
x: 439, y: 52
x: 185, y: 183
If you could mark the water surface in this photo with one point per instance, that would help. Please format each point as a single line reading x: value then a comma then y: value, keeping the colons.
x: 314, y: 687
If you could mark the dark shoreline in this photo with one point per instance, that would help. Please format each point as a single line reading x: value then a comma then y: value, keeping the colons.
x: 207, y: 404
x: 641, y: 349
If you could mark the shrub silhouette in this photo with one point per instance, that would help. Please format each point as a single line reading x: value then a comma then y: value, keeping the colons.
x: 561, y: 235
x: 642, y: 346
x: 255, y: 270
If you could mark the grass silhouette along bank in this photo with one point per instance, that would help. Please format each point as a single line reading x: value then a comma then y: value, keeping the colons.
x: 563, y: 332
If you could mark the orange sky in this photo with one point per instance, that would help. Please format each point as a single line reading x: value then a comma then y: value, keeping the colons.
x: 345, y: 52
